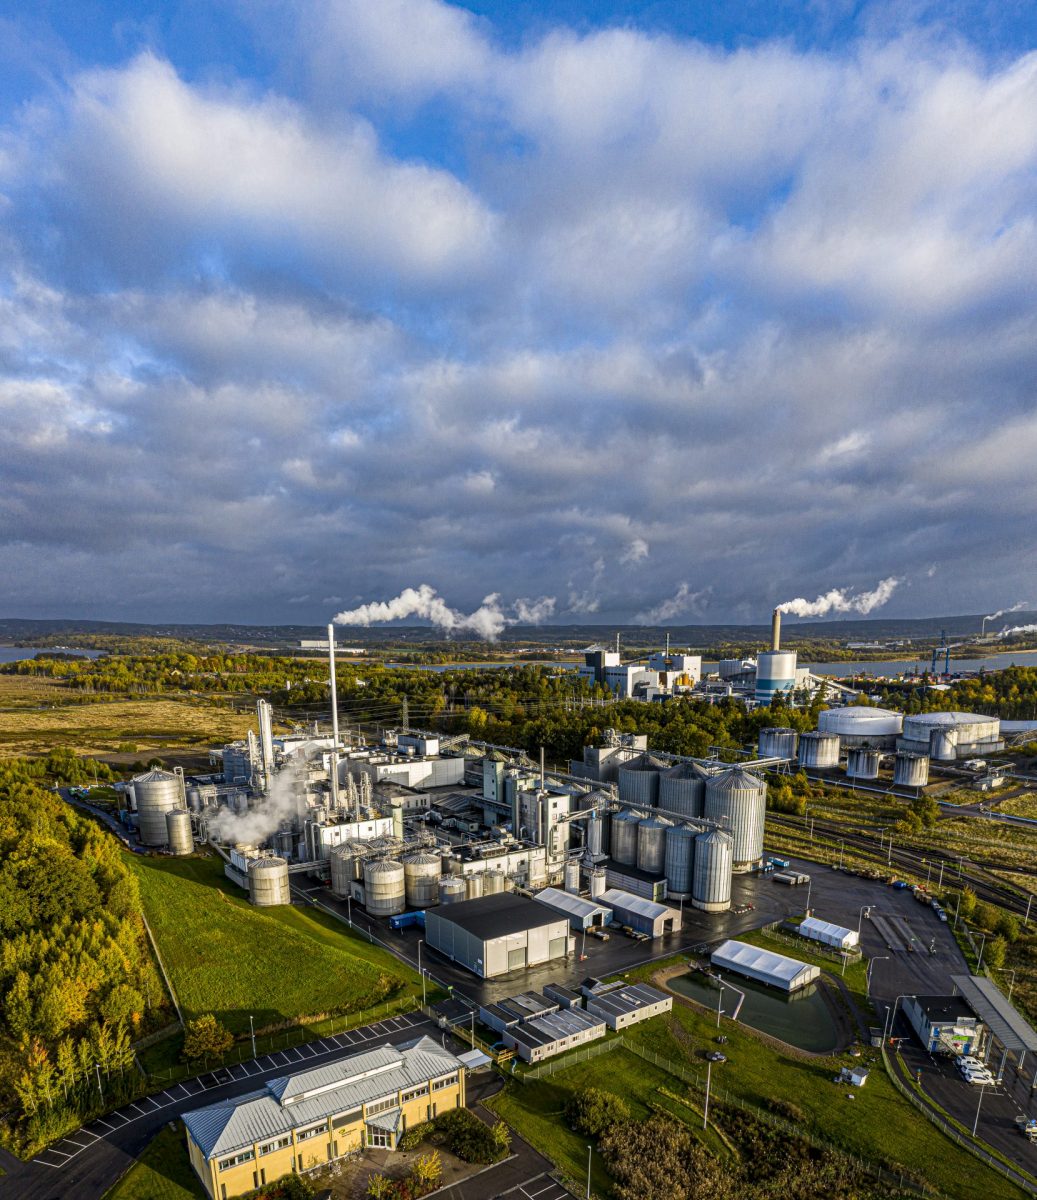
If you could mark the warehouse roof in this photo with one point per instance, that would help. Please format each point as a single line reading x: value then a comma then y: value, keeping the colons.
x: 566, y: 902
x: 494, y: 916
x: 814, y: 927
x: 945, y: 1008
x: 740, y: 955
x: 291, y: 1101
x: 627, y: 999
x: 628, y: 902
x: 995, y: 1010
x: 542, y: 1031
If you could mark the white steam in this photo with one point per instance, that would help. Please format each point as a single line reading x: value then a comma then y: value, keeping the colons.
x: 283, y: 803
x: 1001, y: 612
x: 683, y: 599
x: 488, y: 621
x: 840, y: 600
x: 1017, y: 629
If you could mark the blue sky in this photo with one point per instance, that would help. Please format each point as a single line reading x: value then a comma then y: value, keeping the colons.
x: 612, y: 311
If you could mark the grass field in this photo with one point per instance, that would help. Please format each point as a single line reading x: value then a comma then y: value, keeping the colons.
x: 162, y: 1172
x: 275, y: 964
x: 880, y: 1126
x: 1020, y: 806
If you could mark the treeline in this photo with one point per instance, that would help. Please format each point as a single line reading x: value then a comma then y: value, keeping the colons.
x: 1010, y: 694
x: 77, y: 983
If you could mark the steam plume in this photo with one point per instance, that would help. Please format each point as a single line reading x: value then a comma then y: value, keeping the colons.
x: 488, y: 621
x: 683, y: 599
x: 840, y: 600
x: 283, y: 802
x: 1001, y: 612
x: 1017, y: 629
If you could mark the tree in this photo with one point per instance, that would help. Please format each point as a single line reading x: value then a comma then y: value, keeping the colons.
x: 594, y: 1111
x: 205, y: 1037
x: 380, y: 1187
x: 996, y: 950
x: 968, y: 903
x: 428, y: 1170
x: 1008, y: 926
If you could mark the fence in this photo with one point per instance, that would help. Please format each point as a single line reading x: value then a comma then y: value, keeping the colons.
x: 543, y: 1070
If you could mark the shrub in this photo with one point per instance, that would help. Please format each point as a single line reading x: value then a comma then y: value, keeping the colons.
x: 594, y: 1111
x: 659, y: 1159
x: 205, y: 1037
x: 468, y: 1138
x: 414, y: 1136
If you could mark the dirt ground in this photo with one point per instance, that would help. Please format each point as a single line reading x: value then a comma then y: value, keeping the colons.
x: 348, y: 1181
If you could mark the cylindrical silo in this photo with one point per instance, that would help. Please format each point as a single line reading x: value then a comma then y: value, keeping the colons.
x: 131, y: 797
x: 384, y: 890
x: 285, y: 841
x: 195, y: 803
x: 597, y: 883
x: 473, y: 887
x: 158, y: 792
x: 778, y: 742
x: 493, y: 882
x: 911, y: 770
x: 819, y: 751
x: 739, y: 799
x: 451, y: 889
x: 862, y: 763
x: 268, y: 882
x: 178, y: 831
x: 396, y: 808
x: 572, y: 877
x: 943, y: 744
x: 711, y: 878
x: 682, y: 790
x: 651, y: 844
x: 421, y: 874
x: 624, y: 836
x: 639, y: 780
x: 680, y: 859
x: 344, y: 868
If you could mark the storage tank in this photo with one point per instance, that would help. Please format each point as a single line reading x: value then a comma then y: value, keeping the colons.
x: 396, y: 809
x: 861, y: 725
x: 639, y: 780
x: 943, y: 745
x: 494, y: 882
x: 680, y: 859
x: 158, y: 792
x: 384, y: 891
x: 651, y: 844
x: 421, y: 873
x: 346, y: 869
x: 862, y: 763
x: 969, y: 735
x: 911, y: 770
x: 473, y: 887
x: 711, y: 876
x: 451, y: 889
x: 740, y: 799
x: 597, y: 883
x: 195, y: 803
x: 775, y: 674
x: 572, y: 877
x: 178, y: 831
x: 285, y: 842
x: 819, y: 751
x: 268, y: 882
x: 682, y: 789
x: 777, y: 742
x: 624, y: 836
x: 593, y: 836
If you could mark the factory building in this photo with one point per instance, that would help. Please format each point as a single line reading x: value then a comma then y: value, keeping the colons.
x: 828, y: 934
x: 543, y: 1037
x: 602, y: 763
x: 497, y: 934
x: 683, y: 670
x: 643, y: 916
x: 624, y: 1004
x: 581, y: 914
x: 950, y: 736
x: 944, y: 1023
x: 775, y: 970
x: 297, y: 1122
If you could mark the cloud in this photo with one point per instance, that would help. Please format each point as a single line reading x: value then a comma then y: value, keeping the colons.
x: 678, y: 604
x: 635, y: 552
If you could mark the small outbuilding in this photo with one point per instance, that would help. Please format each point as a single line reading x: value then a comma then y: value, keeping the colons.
x: 828, y: 934
x: 775, y: 970
x: 543, y: 1037
x: 944, y: 1023
x: 582, y: 914
x: 642, y: 915
x: 497, y: 934
x: 627, y: 1004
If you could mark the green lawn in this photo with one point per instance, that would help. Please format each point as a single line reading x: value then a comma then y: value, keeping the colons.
x: 278, y: 964
x: 163, y: 1172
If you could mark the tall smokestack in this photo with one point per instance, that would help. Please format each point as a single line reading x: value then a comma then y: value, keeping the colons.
x: 776, y: 630
x: 334, y: 715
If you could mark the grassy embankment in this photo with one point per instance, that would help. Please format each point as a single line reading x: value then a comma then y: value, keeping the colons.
x: 281, y: 966
x: 162, y: 1172
x: 879, y: 1126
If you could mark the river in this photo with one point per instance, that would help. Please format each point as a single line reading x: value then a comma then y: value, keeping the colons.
x: 10, y: 654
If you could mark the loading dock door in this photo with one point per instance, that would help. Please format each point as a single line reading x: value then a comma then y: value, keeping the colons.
x: 517, y: 959
x: 556, y: 947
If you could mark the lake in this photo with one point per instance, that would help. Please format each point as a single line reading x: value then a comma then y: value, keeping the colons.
x: 18, y: 653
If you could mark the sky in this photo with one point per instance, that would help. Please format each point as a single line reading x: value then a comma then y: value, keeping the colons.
x: 657, y: 311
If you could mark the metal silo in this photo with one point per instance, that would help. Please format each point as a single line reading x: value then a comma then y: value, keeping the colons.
x: 624, y: 836
x: 943, y: 745
x: 711, y: 877
x: 740, y: 799
x: 158, y: 792
x: 384, y: 890
x: 572, y: 877
x: 421, y: 873
x: 451, y: 889
x: 682, y: 789
x: 639, y: 780
x: 778, y: 742
x: 494, y: 882
x: 285, y: 841
x: 597, y: 882
x: 344, y: 867
x: 680, y: 859
x: 911, y: 770
x: 862, y: 763
x: 178, y: 831
x: 651, y: 844
x: 473, y: 887
x: 195, y: 803
x: 819, y: 751
x: 268, y: 882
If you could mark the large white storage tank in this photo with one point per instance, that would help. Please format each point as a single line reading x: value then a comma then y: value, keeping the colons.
x: 818, y: 751
x: 268, y: 882
x: 384, y: 888
x: 157, y: 792
x: 473, y: 887
x: 572, y: 877
x: 862, y: 763
x: 858, y: 725
x: 775, y: 673
x: 421, y: 873
x: 494, y: 882
x: 451, y: 889
x: 952, y: 735
x: 740, y: 799
x: 682, y: 790
x: 911, y: 770
x: 680, y: 859
x: 777, y: 742
x: 597, y: 883
x: 711, y: 877
x: 178, y: 831
x: 651, y: 844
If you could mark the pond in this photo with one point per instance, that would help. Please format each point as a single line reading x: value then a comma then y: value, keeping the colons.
x: 802, y: 1019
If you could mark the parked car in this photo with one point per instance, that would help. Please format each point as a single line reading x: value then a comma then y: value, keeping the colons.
x: 716, y: 1056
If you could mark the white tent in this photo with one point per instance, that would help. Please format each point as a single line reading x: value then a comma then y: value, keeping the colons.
x: 788, y: 974
x: 829, y: 934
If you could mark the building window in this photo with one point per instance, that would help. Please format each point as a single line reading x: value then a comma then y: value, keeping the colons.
x: 439, y: 1084
x: 302, y: 1134
x: 227, y: 1163
x: 378, y: 1106
x: 279, y: 1144
x: 411, y: 1093
x: 349, y: 1118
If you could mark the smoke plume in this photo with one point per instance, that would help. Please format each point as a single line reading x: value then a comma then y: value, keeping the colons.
x: 284, y: 801
x: 488, y: 621
x: 1001, y: 612
x: 683, y: 599
x: 840, y: 600
x: 1017, y: 629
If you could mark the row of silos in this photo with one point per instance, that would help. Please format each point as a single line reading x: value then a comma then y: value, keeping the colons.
x: 682, y: 790
x: 680, y: 859
x: 624, y: 835
x: 711, y: 878
x: 639, y: 780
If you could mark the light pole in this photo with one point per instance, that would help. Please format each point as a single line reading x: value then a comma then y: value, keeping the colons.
x: 99, y: 1092
x: 867, y: 973
x: 940, y: 883
x: 865, y: 908
x: 982, y: 947
x: 887, y: 1029
x: 841, y: 844
x: 705, y: 1110
x: 420, y: 972
x: 349, y: 911
x: 979, y: 1103
x: 589, y: 1151
x: 1010, y: 971
x: 810, y: 884
x: 889, y: 852
x: 1029, y: 901
x: 252, y: 1034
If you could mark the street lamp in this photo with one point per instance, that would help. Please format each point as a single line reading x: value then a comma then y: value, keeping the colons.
x: 99, y: 1091
x: 982, y: 947
x: 979, y: 1103
x: 865, y: 908
x: 1009, y: 971
x: 420, y: 972
x: 810, y: 884
x: 867, y: 973
x: 705, y: 1110
x: 589, y: 1151
x: 887, y: 1028
x: 252, y: 1033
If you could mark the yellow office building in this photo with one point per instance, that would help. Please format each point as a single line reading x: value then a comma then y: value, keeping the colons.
x: 299, y: 1122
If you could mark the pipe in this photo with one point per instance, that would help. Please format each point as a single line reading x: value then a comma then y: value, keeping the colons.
x: 776, y: 630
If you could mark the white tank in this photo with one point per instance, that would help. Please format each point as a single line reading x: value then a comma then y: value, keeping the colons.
x: 777, y: 742
x: 384, y: 890
x: 775, y: 674
x: 911, y: 770
x: 943, y: 745
x: 739, y: 799
x: 857, y: 725
x: 572, y: 877
x: 494, y: 882
x: 158, y: 792
x: 421, y: 874
x: 178, y: 831
x: 268, y: 882
x: 862, y: 763
x: 451, y: 889
x: 344, y: 869
x: 473, y: 887
x: 819, y: 751
x: 597, y: 883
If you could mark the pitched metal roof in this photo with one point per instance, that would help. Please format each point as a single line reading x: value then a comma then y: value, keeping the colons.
x: 616, y: 898
x: 763, y: 964
x: 626, y: 999
x: 995, y: 1010
x: 291, y: 1101
x: 566, y: 902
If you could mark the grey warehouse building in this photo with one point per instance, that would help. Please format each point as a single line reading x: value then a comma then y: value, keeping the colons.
x: 497, y: 934
x: 640, y: 914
